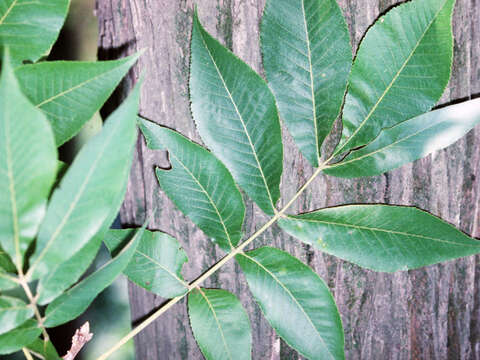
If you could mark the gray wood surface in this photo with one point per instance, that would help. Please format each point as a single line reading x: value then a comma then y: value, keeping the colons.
x: 432, y: 313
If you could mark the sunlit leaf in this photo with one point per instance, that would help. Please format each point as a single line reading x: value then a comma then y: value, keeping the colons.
x: 13, y: 312
x: 14, y: 340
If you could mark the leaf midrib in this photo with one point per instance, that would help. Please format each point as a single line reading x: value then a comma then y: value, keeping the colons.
x: 241, y: 120
x: 373, y: 229
x: 162, y: 267
x: 12, y: 5
x: 294, y: 299
x: 393, y: 80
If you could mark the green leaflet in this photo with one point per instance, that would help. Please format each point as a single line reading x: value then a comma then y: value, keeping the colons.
x: 236, y: 117
x: 400, y: 71
x: 5, y: 262
x: 307, y: 57
x: 45, y: 349
x: 74, y: 301
x: 157, y: 263
x: 410, y: 140
x: 13, y: 312
x: 381, y: 237
x: 87, y: 193
x: 28, y: 163
x: 14, y: 340
x: 220, y: 325
x: 295, y: 301
x: 199, y: 185
x: 29, y: 28
x: 70, y: 92
x: 7, y: 280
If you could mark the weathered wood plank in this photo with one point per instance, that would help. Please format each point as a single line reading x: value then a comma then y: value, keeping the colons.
x: 433, y: 313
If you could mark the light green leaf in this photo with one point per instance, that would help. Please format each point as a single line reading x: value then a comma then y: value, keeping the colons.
x: 7, y: 281
x: 220, y: 325
x: 400, y: 71
x: 28, y: 163
x: 410, y: 140
x: 70, y: 92
x: 14, y: 340
x: 157, y: 262
x: 88, y: 191
x: 199, y: 185
x: 236, y: 117
x: 307, y: 57
x: 29, y: 28
x: 74, y: 301
x: 381, y: 237
x: 13, y: 312
x: 295, y: 301
x: 44, y: 349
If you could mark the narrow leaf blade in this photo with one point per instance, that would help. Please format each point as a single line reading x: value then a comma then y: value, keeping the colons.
x: 29, y: 28
x: 15, y: 339
x: 381, y: 237
x: 87, y: 192
x: 307, y: 58
x: 410, y: 140
x: 28, y: 163
x: 74, y: 301
x: 157, y: 263
x: 401, y: 69
x: 200, y: 185
x: 220, y: 325
x: 236, y: 117
x: 70, y: 92
x: 295, y: 301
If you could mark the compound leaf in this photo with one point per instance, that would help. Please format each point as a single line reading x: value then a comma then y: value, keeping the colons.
x: 381, y: 237
x: 220, y: 325
x: 236, y: 117
x: 410, y: 140
x: 29, y: 28
x: 400, y: 71
x: 157, y: 263
x: 23, y: 335
x: 307, y: 57
x: 199, y: 185
x: 295, y: 301
x: 87, y: 193
x: 28, y: 163
x: 13, y: 312
x: 70, y: 92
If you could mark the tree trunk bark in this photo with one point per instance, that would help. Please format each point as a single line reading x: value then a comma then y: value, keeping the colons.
x: 432, y: 313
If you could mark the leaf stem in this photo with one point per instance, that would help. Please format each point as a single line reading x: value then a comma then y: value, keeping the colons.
x: 27, y: 354
x: 214, y: 268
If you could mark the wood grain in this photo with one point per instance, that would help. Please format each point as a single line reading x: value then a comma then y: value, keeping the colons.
x: 432, y: 313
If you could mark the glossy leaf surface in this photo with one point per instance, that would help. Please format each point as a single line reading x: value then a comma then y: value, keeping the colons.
x: 13, y: 312
x: 236, y: 117
x: 74, y: 301
x: 401, y: 69
x: 381, y: 237
x: 14, y: 340
x: 220, y: 325
x: 410, y: 140
x: 307, y: 58
x: 29, y: 28
x: 70, y: 92
x: 157, y: 263
x: 295, y: 301
x: 199, y: 185
x: 28, y: 163
x: 87, y: 192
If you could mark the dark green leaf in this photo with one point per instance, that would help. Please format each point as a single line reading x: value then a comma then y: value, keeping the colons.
x: 69, y: 93
x: 307, y: 57
x: 13, y: 312
x: 381, y: 237
x: 400, y: 71
x: 236, y: 116
x: 14, y: 340
x: 5, y: 262
x: 44, y: 349
x: 157, y: 262
x: 29, y: 28
x: 74, y: 301
x: 88, y: 191
x: 295, y: 301
x: 410, y: 140
x: 28, y: 163
x: 220, y: 325
x: 199, y: 185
